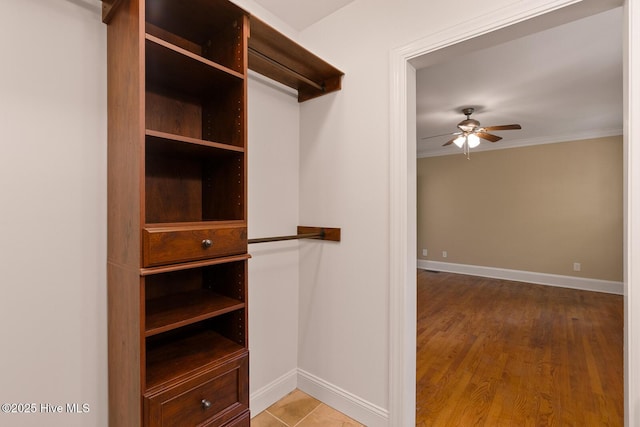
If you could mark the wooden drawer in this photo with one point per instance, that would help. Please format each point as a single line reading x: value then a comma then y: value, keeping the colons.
x: 243, y: 420
x: 212, y: 399
x: 182, y: 243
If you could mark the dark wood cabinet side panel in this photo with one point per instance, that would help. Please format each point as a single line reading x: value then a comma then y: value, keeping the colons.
x: 245, y: 108
x: 125, y: 345
x: 125, y: 135
x: 125, y: 103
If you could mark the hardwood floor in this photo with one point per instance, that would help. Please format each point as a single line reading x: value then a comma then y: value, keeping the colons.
x: 499, y: 353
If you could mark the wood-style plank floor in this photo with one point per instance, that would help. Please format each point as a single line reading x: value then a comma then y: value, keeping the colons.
x: 499, y: 353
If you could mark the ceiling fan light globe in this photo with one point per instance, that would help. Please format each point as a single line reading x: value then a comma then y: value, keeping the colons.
x: 473, y: 141
x: 459, y: 141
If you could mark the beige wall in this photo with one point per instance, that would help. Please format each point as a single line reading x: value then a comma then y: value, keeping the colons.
x: 538, y: 208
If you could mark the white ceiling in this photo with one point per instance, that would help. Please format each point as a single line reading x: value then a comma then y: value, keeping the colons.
x: 563, y: 83
x: 299, y: 14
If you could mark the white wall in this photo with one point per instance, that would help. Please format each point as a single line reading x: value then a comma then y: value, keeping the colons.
x: 273, y: 268
x: 344, y: 181
x: 53, y: 215
x: 345, y: 177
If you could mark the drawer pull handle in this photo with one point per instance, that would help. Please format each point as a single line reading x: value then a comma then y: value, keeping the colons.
x: 206, y: 243
x: 205, y: 404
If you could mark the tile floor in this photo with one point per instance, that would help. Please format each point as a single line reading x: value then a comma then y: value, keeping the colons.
x: 301, y: 410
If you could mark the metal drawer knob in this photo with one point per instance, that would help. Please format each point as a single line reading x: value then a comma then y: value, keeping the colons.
x: 205, y: 404
x: 206, y: 243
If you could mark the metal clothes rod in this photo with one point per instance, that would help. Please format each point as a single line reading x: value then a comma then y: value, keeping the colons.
x: 305, y: 232
x: 288, y: 70
x: 292, y: 237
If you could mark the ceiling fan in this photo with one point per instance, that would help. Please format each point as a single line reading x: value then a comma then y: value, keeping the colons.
x: 471, y: 132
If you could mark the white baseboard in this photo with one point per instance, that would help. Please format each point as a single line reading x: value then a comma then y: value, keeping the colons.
x: 359, y: 409
x: 572, y: 282
x: 268, y: 395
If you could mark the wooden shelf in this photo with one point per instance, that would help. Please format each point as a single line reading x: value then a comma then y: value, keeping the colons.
x: 198, y: 58
x: 191, y: 225
x: 177, y: 310
x: 186, y: 182
x: 172, y: 67
x: 283, y: 60
x: 270, y: 52
x: 149, y: 271
x: 185, y: 355
x: 211, y: 28
x: 164, y: 141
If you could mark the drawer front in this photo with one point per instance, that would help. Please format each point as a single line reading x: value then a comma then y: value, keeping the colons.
x: 243, y: 420
x: 214, y: 399
x: 168, y: 246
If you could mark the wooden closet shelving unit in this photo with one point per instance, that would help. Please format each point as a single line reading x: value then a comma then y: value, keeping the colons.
x: 177, y: 196
x: 283, y: 60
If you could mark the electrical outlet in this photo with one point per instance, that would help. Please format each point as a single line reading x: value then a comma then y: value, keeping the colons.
x: 424, y: 252
x: 576, y: 266
x: 444, y: 254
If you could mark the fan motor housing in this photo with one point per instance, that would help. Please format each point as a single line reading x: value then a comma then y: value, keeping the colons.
x: 468, y: 125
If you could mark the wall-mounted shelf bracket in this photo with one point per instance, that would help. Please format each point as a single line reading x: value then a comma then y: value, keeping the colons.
x: 281, y: 59
x: 320, y: 233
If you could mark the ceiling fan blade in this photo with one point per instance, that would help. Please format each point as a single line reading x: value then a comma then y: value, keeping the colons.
x: 501, y: 127
x: 488, y: 136
x: 444, y: 134
x: 449, y: 142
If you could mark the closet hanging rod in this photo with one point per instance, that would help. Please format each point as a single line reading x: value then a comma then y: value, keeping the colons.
x: 321, y: 233
x: 292, y: 237
x: 286, y: 69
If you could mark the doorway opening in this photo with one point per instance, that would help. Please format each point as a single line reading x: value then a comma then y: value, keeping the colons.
x: 403, y: 159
